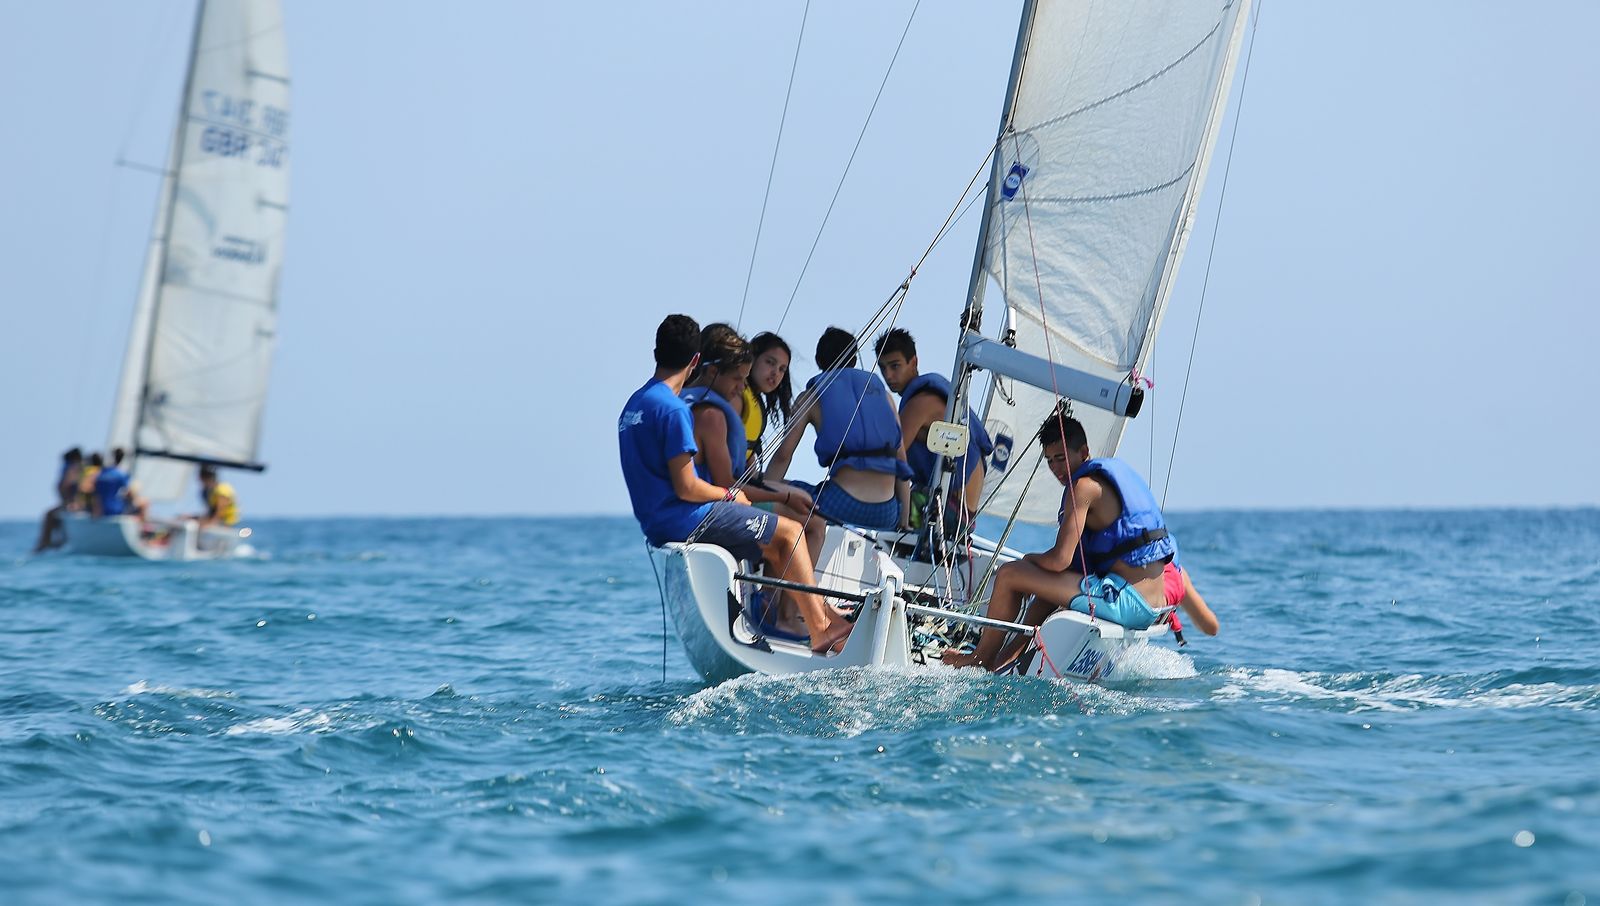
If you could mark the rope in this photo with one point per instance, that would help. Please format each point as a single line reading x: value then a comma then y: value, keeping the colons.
x: 1222, y: 197
x: 661, y: 593
x: 773, y: 168
x: 846, y: 174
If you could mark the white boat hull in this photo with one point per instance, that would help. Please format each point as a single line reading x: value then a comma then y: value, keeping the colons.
x: 712, y: 611
x: 124, y: 536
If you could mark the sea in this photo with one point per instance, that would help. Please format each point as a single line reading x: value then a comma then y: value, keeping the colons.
x: 1402, y: 707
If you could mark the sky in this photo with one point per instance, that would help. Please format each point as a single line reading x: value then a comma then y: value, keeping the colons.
x: 494, y: 203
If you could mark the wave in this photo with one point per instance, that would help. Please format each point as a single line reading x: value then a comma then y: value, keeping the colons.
x: 1407, y: 692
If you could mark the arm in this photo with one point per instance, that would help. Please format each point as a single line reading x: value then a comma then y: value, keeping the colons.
x: 690, y: 487
x: 792, y: 434
x: 1195, y: 607
x: 923, y: 410
x: 710, y: 435
x: 1085, y: 491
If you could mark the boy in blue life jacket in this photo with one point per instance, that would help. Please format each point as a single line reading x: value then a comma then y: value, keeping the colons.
x: 655, y: 436
x: 1110, y: 552
x: 924, y: 399
x: 113, y: 491
x: 858, y: 441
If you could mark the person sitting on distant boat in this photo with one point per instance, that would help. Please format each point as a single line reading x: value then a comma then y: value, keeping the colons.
x: 719, y: 431
x: 655, y: 437
x: 113, y: 492
x: 86, y: 479
x: 924, y: 398
x: 858, y: 441
x: 222, y: 505
x: 769, y: 390
x: 1111, y: 530
x: 66, y: 499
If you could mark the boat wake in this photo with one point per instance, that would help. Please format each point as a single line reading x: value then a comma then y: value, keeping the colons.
x: 855, y: 700
x: 1410, y: 691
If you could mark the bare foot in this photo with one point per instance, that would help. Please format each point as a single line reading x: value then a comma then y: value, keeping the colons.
x: 957, y: 659
x: 832, y: 639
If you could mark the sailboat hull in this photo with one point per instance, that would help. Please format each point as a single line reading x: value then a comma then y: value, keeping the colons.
x: 125, y: 536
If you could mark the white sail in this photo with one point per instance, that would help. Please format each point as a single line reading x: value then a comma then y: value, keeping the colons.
x: 1099, y: 170
x: 195, y: 379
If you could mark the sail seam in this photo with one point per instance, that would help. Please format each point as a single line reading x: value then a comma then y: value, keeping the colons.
x: 1136, y: 85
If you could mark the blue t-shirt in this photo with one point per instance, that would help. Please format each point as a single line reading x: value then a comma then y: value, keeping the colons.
x: 656, y: 426
x: 108, y: 486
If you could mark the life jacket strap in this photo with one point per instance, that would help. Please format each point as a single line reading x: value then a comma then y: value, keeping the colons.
x: 1149, y: 536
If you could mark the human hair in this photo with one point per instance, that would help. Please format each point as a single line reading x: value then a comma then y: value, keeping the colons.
x: 896, y: 339
x: 95, y: 459
x: 118, y: 455
x: 677, y: 341
x: 782, y: 398
x: 1060, y: 427
x: 210, y: 472
x: 836, y: 349
x: 722, y: 347
x: 73, y: 455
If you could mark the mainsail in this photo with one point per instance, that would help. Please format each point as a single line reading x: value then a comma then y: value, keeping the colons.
x: 194, y: 380
x: 1108, y: 129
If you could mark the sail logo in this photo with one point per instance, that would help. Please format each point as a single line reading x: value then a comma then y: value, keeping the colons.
x: 1013, y: 181
x: 237, y: 248
x: 1001, y: 457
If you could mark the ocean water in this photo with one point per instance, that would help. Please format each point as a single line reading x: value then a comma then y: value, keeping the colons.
x: 1403, y: 707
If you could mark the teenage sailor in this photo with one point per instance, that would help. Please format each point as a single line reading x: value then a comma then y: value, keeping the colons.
x: 721, y: 436
x: 1110, y: 553
x: 655, y: 437
x: 222, y: 504
x: 858, y: 440
x: 113, y: 492
x: 67, y: 499
x: 769, y: 389
x: 924, y: 399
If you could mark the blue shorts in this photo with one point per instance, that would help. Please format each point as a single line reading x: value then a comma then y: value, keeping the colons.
x: 743, y: 530
x: 839, y: 506
x: 1113, y: 599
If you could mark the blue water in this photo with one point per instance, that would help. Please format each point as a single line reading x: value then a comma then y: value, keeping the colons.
x: 1402, y: 707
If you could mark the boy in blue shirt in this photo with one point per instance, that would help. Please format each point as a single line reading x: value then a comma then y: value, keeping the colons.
x: 655, y: 436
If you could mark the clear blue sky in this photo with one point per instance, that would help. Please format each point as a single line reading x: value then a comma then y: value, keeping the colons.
x: 494, y: 203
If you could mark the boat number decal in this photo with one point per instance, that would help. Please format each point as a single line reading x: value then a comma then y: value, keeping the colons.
x: 235, y: 127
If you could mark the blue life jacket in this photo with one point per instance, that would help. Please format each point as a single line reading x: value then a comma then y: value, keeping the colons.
x: 1139, y: 535
x: 859, y: 427
x: 738, y: 446
x: 923, y: 461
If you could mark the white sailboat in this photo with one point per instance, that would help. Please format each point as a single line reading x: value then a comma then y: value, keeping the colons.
x: 194, y: 379
x: 1110, y: 118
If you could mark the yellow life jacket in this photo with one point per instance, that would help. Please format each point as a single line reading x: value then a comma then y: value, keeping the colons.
x: 86, y: 485
x: 755, y: 422
x: 229, y: 514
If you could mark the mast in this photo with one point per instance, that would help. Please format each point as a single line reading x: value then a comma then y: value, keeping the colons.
x: 973, y: 313
x: 175, y: 162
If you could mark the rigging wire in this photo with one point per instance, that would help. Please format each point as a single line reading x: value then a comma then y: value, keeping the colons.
x: 1222, y: 198
x: 846, y: 174
x: 773, y: 168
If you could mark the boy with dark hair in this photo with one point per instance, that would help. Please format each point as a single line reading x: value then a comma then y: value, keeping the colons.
x: 655, y: 435
x: 858, y: 441
x: 222, y: 503
x: 924, y: 399
x: 113, y: 491
x: 1110, y: 553
x: 67, y: 499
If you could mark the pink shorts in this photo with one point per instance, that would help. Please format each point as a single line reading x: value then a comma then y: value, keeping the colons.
x: 1172, y: 579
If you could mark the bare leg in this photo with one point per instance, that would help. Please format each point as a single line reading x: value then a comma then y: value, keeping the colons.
x: 1013, y: 582
x: 788, y: 547
x: 47, y: 529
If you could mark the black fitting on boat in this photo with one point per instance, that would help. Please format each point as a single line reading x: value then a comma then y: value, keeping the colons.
x: 1135, y: 401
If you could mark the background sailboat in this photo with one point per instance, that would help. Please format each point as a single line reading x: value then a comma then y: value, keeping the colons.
x: 194, y: 379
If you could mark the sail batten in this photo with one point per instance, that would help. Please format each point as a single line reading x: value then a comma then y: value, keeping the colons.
x: 195, y: 379
x: 1099, y: 166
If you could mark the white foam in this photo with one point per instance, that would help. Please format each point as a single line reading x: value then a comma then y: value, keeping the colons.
x: 304, y: 720
x: 1408, y: 692
x: 144, y: 687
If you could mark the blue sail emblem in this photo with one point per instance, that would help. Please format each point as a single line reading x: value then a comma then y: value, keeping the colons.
x: 1013, y: 181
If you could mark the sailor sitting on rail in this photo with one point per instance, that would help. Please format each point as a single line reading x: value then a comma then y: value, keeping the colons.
x: 924, y: 399
x: 719, y: 430
x: 113, y: 491
x: 1119, y: 563
x: 222, y: 504
x: 858, y: 440
x: 655, y: 436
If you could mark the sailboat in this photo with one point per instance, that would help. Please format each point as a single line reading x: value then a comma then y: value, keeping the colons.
x: 1110, y: 117
x: 194, y: 378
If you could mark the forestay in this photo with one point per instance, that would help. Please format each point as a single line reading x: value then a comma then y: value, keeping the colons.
x: 1098, y: 173
x: 194, y: 380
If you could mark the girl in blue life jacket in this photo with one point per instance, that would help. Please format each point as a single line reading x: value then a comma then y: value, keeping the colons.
x: 858, y: 440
